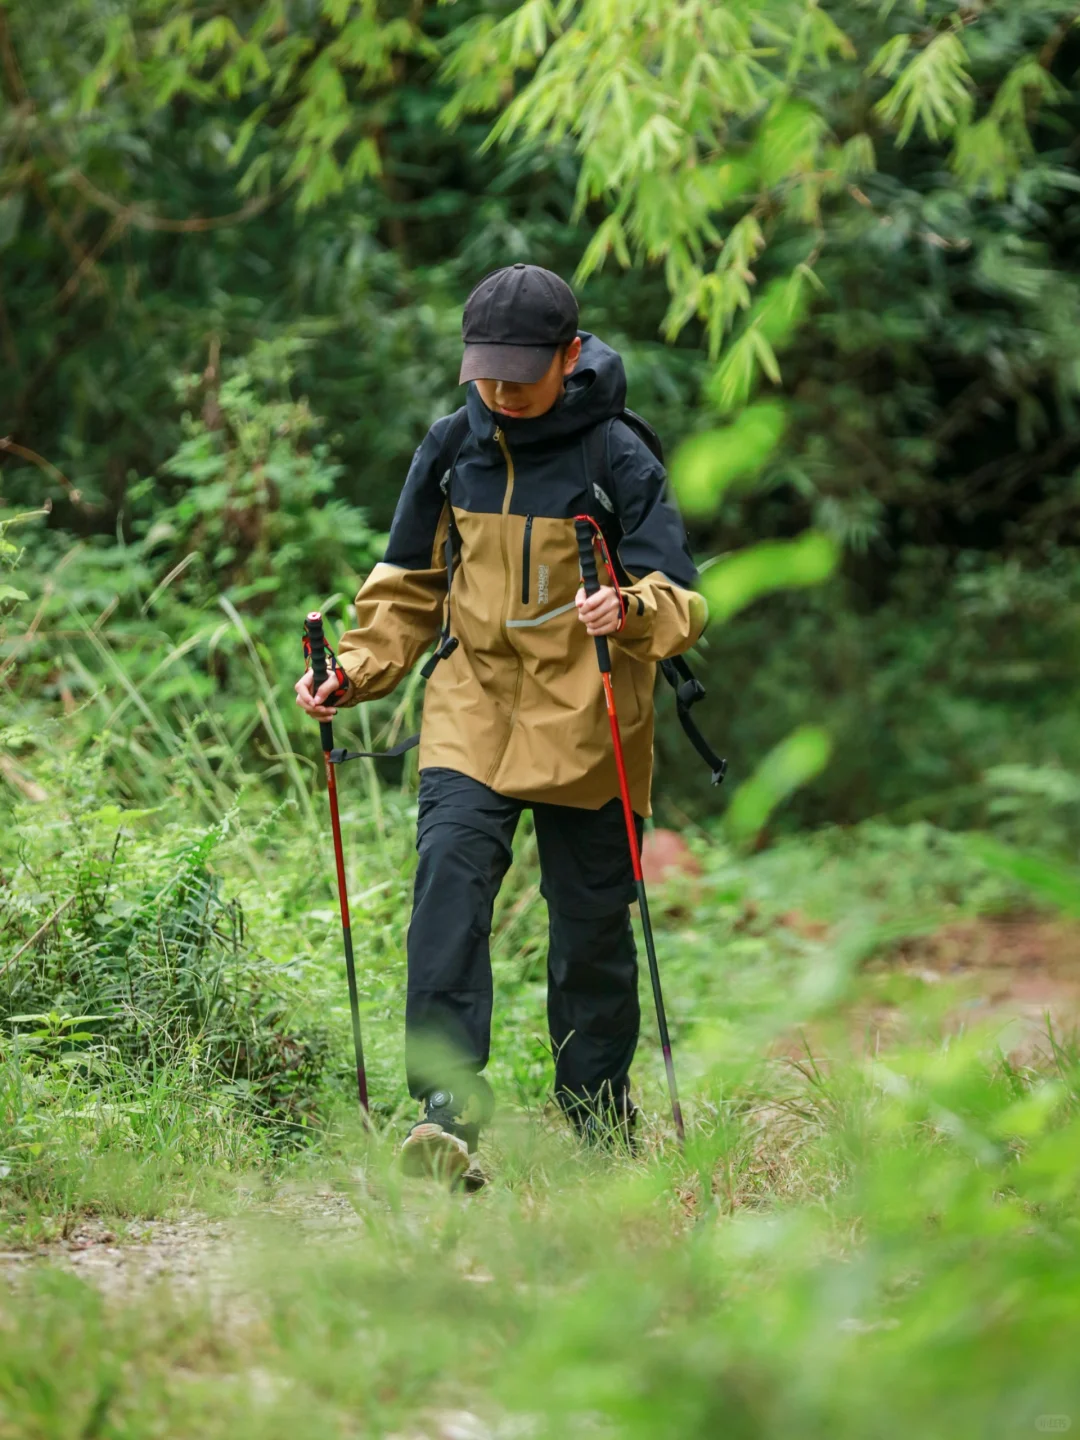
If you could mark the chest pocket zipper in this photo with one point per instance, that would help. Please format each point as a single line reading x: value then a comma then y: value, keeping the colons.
x: 526, y: 550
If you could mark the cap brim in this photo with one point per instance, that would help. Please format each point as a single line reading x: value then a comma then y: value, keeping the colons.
x: 520, y: 364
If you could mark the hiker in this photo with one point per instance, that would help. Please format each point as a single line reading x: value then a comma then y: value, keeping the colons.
x: 514, y: 713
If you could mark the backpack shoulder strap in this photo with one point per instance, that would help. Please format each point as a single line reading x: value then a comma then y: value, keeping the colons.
x: 601, y: 497
x: 453, y: 442
x: 454, y: 438
x: 598, y: 459
x: 644, y: 431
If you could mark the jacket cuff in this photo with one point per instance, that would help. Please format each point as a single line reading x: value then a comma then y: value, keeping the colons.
x: 640, y: 613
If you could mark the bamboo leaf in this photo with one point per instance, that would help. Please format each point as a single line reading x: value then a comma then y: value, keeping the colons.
x: 245, y: 133
x: 706, y: 466
x: 738, y: 580
x: 765, y: 354
x: 786, y: 768
x: 933, y: 89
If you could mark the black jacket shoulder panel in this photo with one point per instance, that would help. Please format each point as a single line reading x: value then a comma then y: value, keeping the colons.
x: 653, y: 534
x: 420, y: 505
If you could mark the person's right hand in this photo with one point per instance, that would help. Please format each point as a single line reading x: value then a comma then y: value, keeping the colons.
x: 313, y: 704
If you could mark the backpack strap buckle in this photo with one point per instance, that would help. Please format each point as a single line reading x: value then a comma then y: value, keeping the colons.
x: 690, y: 692
x: 447, y: 645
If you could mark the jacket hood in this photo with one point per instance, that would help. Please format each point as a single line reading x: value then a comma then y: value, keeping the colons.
x: 596, y: 391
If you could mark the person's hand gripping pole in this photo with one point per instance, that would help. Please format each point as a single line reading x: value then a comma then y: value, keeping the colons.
x: 316, y: 650
x: 587, y: 529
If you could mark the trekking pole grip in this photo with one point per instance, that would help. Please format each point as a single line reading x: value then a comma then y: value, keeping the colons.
x: 591, y: 581
x: 317, y: 641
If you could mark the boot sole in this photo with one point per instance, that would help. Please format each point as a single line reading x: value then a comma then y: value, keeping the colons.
x: 431, y: 1150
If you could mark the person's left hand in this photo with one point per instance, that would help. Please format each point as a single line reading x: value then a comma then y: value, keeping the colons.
x: 599, y: 612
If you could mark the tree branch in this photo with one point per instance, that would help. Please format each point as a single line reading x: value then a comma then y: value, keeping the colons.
x: 1013, y: 470
x: 62, y: 230
x: 144, y: 220
x: 16, y: 83
x: 38, y: 933
x: 75, y: 495
x: 90, y: 259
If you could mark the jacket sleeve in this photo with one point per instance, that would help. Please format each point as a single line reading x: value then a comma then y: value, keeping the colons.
x: 399, y: 609
x: 665, y: 615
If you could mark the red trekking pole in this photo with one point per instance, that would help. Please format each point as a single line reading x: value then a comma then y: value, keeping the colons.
x: 316, y: 649
x: 585, y: 526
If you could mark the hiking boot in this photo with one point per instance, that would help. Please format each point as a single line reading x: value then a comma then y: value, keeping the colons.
x: 606, y: 1127
x: 443, y: 1143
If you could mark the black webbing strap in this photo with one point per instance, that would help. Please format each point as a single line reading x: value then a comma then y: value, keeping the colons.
x: 339, y: 757
x: 453, y: 444
x: 688, y: 691
x: 447, y: 643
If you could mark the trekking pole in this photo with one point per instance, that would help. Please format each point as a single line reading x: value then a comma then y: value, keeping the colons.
x: 313, y: 627
x: 589, y: 578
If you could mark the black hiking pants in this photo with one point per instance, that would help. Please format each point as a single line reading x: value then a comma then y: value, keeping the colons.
x: 464, y: 835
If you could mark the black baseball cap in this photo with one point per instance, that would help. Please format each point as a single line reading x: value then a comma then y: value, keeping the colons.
x: 514, y: 322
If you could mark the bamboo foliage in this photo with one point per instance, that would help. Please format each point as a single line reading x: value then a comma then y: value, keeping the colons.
x: 703, y: 132
x: 707, y: 133
x: 307, y: 81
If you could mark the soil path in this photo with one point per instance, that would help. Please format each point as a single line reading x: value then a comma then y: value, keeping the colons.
x: 1015, y: 975
x: 196, y: 1253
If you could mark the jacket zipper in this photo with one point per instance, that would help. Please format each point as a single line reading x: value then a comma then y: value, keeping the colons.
x: 501, y: 441
x: 526, y: 547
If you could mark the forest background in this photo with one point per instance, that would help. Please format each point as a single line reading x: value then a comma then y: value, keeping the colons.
x: 837, y: 246
x: 293, y: 202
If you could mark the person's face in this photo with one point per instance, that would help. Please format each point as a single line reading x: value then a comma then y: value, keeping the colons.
x: 523, y: 402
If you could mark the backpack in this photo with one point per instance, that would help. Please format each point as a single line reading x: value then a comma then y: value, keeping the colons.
x: 687, y: 687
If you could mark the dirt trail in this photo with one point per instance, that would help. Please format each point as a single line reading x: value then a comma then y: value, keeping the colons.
x: 1006, y: 975
x: 1013, y: 974
x: 196, y: 1253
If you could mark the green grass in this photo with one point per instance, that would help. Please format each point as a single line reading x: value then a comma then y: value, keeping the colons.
x: 909, y: 1267
x: 859, y: 1241
x: 848, y: 1248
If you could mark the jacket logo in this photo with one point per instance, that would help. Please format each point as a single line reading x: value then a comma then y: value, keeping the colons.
x: 542, y: 584
x: 604, y: 498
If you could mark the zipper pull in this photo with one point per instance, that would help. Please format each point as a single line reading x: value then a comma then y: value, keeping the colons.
x: 498, y: 436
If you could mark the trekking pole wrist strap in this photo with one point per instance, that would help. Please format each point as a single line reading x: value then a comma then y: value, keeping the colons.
x: 340, y: 755
x: 323, y: 663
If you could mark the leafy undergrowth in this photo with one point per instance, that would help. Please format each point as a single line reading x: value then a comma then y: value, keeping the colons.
x: 873, y: 1230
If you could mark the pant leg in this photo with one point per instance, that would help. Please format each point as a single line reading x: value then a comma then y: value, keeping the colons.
x: 463, y: 835
x: 593, y: 1012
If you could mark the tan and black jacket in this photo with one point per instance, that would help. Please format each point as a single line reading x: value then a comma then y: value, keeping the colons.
x: 519, y: 705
